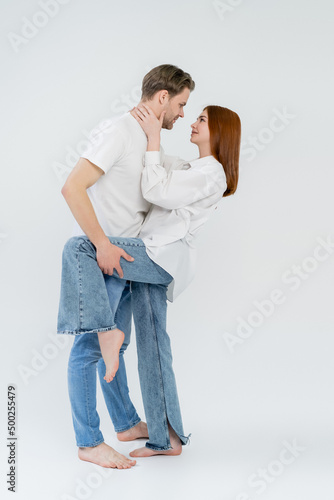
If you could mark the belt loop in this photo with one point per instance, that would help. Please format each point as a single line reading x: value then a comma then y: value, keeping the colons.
x: 130, y: 286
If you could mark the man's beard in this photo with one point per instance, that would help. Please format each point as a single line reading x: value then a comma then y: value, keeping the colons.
x: 167, y: 122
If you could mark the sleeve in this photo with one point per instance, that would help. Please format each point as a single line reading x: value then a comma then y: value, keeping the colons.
x: 178, y: 188
x: 167, y: 161
x: 106, y: 148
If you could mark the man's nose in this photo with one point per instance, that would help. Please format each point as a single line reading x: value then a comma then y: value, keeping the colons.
x: 181, y: 114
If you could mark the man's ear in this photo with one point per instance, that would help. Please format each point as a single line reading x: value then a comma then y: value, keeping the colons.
x: 163, y: 97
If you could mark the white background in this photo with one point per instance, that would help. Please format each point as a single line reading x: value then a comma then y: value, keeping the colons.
x: 241, y: 405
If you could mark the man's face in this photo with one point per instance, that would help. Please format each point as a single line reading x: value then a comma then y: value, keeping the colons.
x: 174, y: 108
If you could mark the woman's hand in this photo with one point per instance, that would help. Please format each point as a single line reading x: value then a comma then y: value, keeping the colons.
x: 150, y: 124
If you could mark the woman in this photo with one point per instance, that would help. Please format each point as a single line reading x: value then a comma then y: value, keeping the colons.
x: 183, y: 195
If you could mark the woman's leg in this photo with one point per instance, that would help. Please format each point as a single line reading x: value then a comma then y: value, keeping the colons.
x: 80, y: 252
x: 84, y: 304
x: 157, y: 380
x: 112, y: 341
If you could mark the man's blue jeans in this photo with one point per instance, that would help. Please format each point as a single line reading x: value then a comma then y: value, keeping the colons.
x: 91, y: 302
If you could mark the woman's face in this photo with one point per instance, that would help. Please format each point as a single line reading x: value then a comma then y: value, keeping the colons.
x: 200, y: 130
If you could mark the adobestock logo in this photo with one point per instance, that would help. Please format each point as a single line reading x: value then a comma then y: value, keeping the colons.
x: 31, y: 28
x: 3, y: 236
x: 84, y: 489
x: 40, y: 359
x: 279, y: 122
x: 265, y: 476
x: 118, y: 106
x: 225, y: 7
x: 73, y: 154
x: 266, y: 307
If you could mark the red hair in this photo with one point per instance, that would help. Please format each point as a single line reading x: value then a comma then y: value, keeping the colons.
x: 225, y: 137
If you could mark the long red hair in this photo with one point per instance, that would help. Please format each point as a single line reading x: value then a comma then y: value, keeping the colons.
x: 225, y: 138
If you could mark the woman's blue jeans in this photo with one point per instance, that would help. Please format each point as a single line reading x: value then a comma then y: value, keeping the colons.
x: 91, y: 302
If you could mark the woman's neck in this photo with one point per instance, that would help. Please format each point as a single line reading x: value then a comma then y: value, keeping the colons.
x: 204, y: 150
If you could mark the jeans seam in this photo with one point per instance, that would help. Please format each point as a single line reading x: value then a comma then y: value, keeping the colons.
x: 126, y: 244
x: 160, y: 371
x: 87, y: 405
x: 133, y: 424
x: 96, y: 443
x: 118, y: 386
x: 80, y: 288
x: 120, y: 392
x: 157, y: 448
x: 95, y: 330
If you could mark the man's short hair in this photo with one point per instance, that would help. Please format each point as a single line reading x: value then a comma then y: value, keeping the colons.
x: 166, y: 77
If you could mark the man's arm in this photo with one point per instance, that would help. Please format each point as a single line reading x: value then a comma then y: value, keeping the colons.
x: 83, y: 176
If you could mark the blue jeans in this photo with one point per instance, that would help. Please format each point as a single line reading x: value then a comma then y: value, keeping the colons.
x: 91, y: 302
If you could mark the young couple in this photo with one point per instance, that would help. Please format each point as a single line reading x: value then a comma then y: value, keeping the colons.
x: 131, y: 201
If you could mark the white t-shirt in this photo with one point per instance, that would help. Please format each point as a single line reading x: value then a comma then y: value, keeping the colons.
x: 117, y: 198
x: 184, y: 195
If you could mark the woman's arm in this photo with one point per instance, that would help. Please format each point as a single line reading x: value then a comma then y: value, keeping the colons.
x: 179, y: 188
x: 176, y: 188
x: 152, y: 128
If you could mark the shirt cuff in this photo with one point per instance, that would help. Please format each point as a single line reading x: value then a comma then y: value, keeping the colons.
x: 152, y: 158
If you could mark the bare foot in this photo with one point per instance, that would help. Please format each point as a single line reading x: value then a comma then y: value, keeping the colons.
x: 139, y: 431
x: 105, y: 456
x: 110, y: 344
x: 147, y: 452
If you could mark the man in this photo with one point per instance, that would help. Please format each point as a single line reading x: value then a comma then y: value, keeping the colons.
x: 103, y: 192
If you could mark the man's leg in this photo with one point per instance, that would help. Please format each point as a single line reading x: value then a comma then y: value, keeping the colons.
x: 84, y: 299
x: 123, y: 414
x: 156, y: 373
x: 85, y: 353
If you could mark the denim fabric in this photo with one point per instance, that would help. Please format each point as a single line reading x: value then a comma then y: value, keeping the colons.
x: 85, y: 306
x: 84, y: 289
x: 116, y: 393
x: 85, y: 356
x: 156, y: 375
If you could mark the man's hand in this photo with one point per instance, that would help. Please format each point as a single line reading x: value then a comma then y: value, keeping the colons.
x: 83, y: 176
x: 108, y: 258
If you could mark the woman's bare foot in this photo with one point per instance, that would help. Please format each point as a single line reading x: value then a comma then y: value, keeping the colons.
x: 110, y: 344
x: 139, y: 431
x: 105, y: 456
x: 175, y: 443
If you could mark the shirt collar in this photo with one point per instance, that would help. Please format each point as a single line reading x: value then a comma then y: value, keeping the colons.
x: 197, y: 162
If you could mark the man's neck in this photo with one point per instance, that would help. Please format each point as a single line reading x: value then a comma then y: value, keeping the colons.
x: 153, y: 107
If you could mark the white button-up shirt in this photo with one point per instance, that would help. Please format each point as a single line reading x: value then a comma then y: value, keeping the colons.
x: 183, y: 195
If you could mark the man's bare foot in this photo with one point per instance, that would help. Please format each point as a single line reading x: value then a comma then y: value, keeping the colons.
x: 110, y: 344
x: 175, y: 443
x: 139, y: 431
x: 105, y: 456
